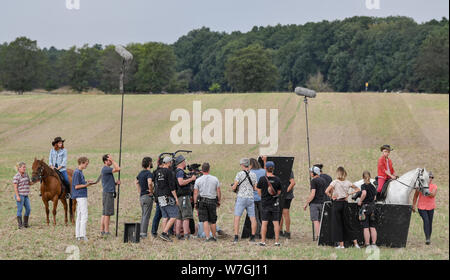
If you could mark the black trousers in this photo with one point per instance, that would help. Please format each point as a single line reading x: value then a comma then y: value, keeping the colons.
x: 340, y: 222
x: 427, y: 217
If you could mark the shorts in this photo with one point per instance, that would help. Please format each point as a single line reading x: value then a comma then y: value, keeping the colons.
x: 370, y: 221
x: 270, y: 214
x: 315, y: 211
x: 242, y: 204
x: 169, y: 211
x: 185, y: 209
x: 108, y: 204
x: 286, y: 203
x: 207, y: 211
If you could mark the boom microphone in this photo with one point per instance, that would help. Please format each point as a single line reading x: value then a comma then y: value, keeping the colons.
x: 305, y: 92
x: 126, y: 55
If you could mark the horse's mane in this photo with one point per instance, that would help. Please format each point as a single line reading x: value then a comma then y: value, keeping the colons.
x: 47, y: 169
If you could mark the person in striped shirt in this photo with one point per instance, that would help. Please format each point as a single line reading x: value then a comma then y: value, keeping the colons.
x: 22, y: 182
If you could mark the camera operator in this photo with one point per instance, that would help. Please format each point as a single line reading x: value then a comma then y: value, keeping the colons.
x: 167, y: 197
x: 184, y: 191
x: 207, y: 190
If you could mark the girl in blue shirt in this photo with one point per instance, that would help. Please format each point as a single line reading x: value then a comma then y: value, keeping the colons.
x: 58, y: 160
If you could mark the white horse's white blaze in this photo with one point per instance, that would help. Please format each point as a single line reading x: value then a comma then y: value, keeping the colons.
x: 397, y: 192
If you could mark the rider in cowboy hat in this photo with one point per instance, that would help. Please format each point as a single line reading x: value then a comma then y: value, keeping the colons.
x: 385, y: 169
x: 58, y: 160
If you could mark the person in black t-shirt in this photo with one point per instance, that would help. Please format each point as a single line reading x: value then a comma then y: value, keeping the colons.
x: 167, y: 196
x: 269, y: 189
x: 316, y: 198
x: 324, y: 176
x: 367, y: 213
x: 144, y: 183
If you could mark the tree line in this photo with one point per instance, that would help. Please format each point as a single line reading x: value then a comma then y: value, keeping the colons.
x: 390, y: 54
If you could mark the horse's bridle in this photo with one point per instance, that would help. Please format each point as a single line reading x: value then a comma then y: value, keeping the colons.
x: 419, y: 175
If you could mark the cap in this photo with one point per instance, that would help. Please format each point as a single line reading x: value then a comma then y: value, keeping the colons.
x: 270, y: 164
x: 167, y: 159
x: 245, y: 162
x: 179, y: 159
x: 315, y: 170
x: 430, y: 174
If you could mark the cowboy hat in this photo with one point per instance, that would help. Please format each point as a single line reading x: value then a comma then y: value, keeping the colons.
x: 386, y: 147
x: 57, y: 140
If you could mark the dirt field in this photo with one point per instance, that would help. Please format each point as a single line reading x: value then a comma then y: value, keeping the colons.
x: 345, y: 129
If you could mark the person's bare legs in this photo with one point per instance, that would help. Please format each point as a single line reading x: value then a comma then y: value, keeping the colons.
x: 169, y: 224
x: 287, y: 219
x: 178, y: 224
x: 254, y: 225
x: 206, y: 229
x: 276, y: 227
x: 106, y: 220
x: 164, y: 223
x: 236, y: 225
x: 366, y: 236
x: 373, y: 234
x: 213, y: 230
x: 316, y: 229
x: 264, y: 231
x: 186, y: 228
x: 102, y: 222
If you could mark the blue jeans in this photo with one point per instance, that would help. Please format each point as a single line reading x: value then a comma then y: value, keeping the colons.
x: 156, y: 219
x: 427, y: 217
x: 24, y: 201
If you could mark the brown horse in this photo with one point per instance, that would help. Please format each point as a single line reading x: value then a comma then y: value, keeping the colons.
x: 51, y: 189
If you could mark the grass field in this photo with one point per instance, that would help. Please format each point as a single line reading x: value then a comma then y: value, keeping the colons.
x: 345, y: 129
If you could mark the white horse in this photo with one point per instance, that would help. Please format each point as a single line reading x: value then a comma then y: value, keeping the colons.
x: 399, y: 191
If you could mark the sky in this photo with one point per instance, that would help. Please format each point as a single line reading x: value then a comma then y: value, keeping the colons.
x: 51, y: 23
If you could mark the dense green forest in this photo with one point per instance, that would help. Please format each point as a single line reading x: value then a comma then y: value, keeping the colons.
x: 391, y: 54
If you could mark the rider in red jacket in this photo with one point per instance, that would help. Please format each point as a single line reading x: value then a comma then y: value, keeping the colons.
x: 385, y: 169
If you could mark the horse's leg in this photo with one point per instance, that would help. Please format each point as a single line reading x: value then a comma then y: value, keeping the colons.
x: 47, y: 210
x: 55, y: 205
x: 74, y: 209
x: 64, y: 202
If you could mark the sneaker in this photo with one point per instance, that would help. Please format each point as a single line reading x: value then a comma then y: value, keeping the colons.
x: 252, y: 239
x: 356, y: 246
x: 428, y: 242
x: 78, y: 238
x: 236, y: 239
x: 277, y: 244
x: 102, y: 233
x: 180, y: 237
x: 154, y: 235
x: 84, y: 238
x: 262, y: 244
x: 340, y: 247
x: 373, y: 246
x: 143, y: 235
x: 164, y: 236
x: 287, y: 235
x: 106, y: 234
x: 282, y: 233
x: 211, y: 239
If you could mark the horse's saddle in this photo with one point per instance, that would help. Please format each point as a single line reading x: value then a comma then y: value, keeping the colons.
x: 64, y: 184
x: 381, y: 196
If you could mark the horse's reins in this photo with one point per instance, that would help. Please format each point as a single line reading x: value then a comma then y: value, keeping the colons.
x: 414, y: 182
